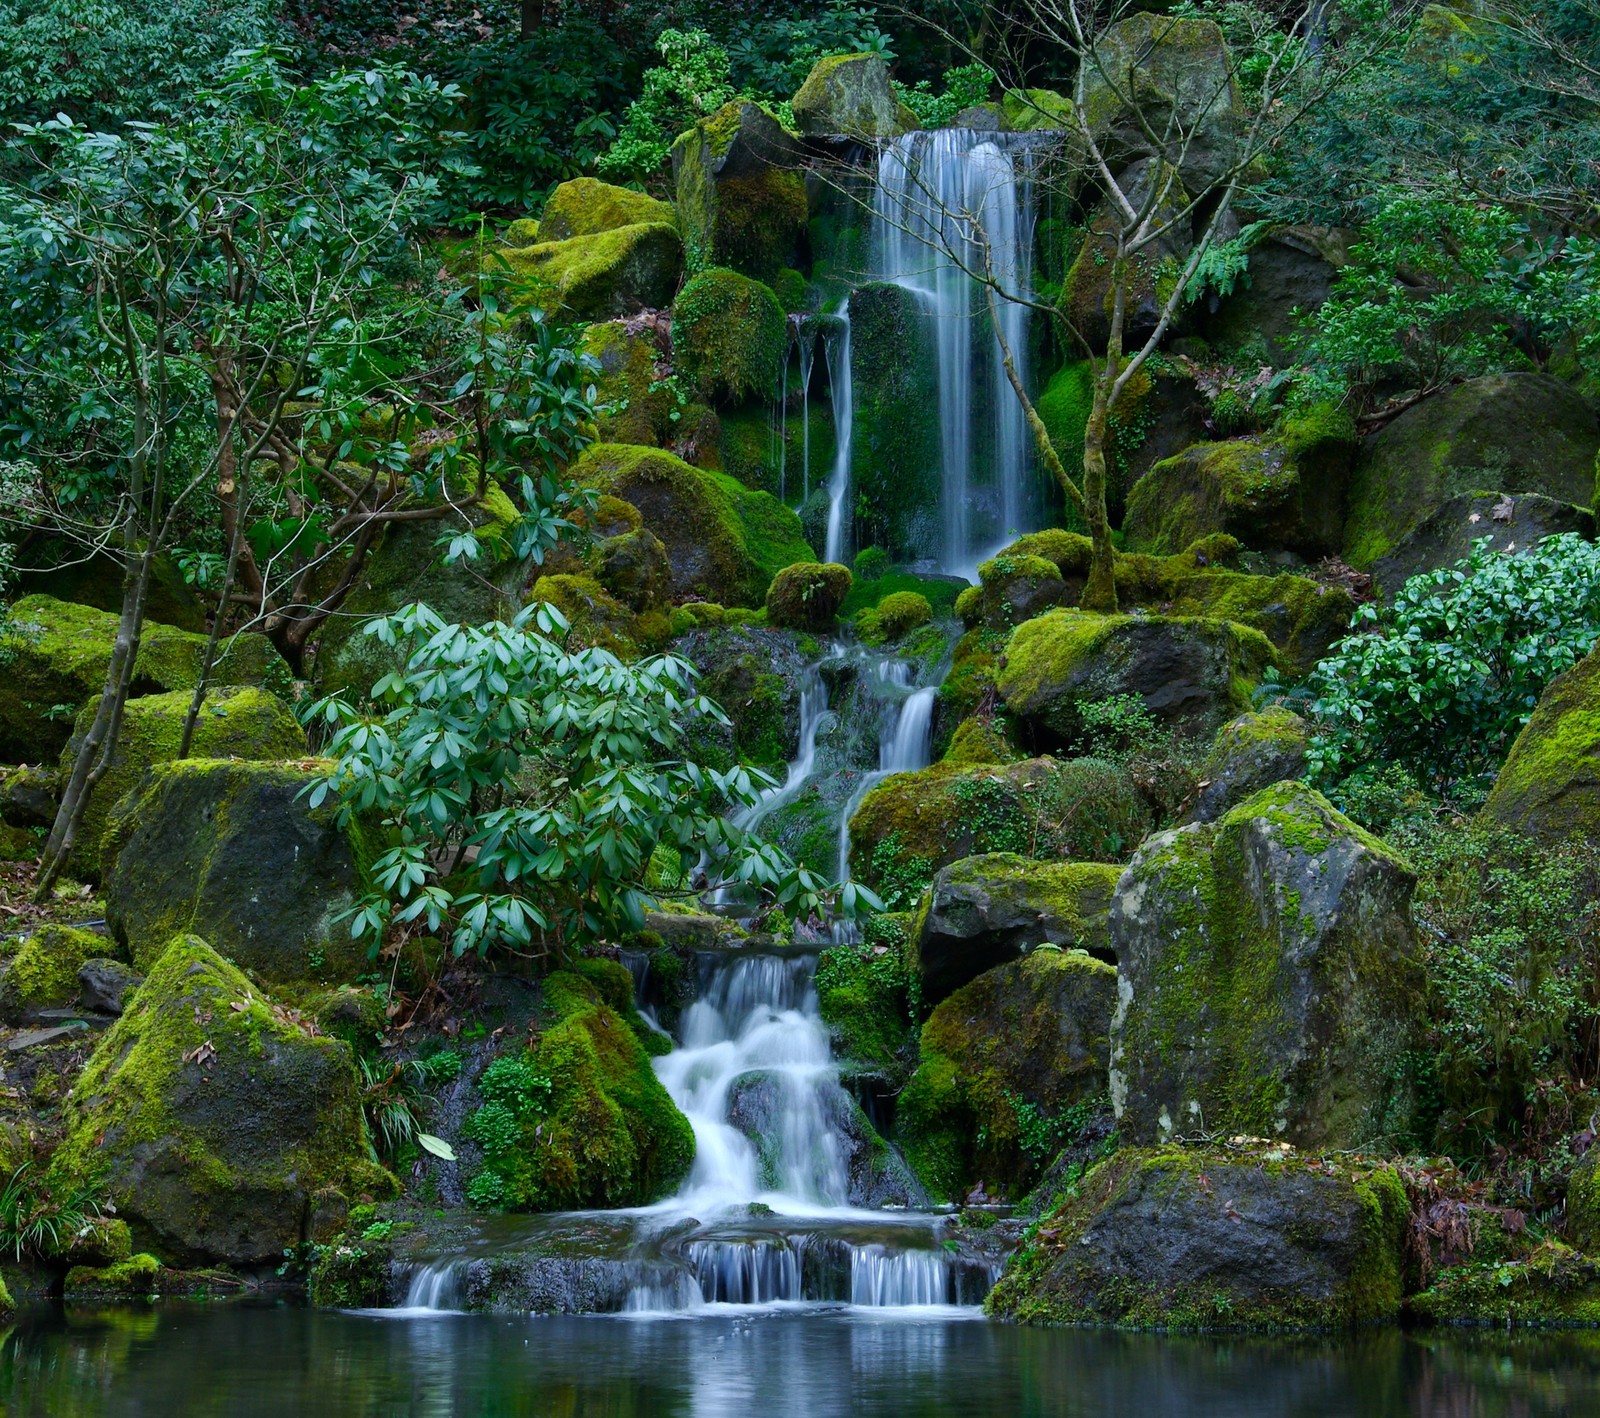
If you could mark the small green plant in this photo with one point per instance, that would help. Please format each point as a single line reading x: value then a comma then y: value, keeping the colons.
x: 900, y: 879
x: 41, y: 1213
x: 965, y: 86
x: 693, y: 80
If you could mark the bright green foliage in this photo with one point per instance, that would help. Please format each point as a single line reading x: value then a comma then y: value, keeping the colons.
x: 807, y: 596
x: 43, y: 974
x: 562, y: 770
x: 579, y: 1119
x: 965, y: 86
x: 1438, y: 290
x: 694, y: 81
x: 41, y: 1212
x: 866, y: 994
x: 1442, y: 680
x: 729, y: 335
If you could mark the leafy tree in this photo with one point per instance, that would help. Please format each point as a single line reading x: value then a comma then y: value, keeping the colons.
x: 526, y: 786
x: 694, y: 80
x: 1443, y: 680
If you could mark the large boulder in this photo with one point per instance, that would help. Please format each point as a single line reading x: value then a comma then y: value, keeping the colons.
x: 1291, y: 270
x: 1245, y: 1238
x: 1549, y: 786
x: 1269, y: 980
x: 850, y: 95
x: 1003, y: 1058
x: 96, y: 580
x: 1507, y: 433
x: 756, y: 676
x: 1250, y: 753
x: 233, y: 851
x: 219, y: 1121
x: 740, y: 195
x: 585, y: 206
x: 724, y: 542
x: 1163, y: 87
x: 628, y: 382
x: 894, y: 452
x: 912, y: 824
x: 729, y: 336
x: 986, y: 911
x: 599, y: 277
x: 234, y: 722
x: 1192, y: 673
x: 1279, y: 493
x: 57, y: 658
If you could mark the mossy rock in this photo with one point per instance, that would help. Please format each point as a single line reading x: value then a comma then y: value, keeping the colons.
x: 754, y: 675
x: 1250, y: 753
x: 849, y: 95
x: 1163, y: 87
x: 741, y: 198
x: 585, y: 206
x: 635, y: 409
x: 725, y: 542
x: 730, y: 336
x: 1192, y: 673
x: 602, y: 1131
x: 595, y: 618
x: 407, y: 566
x: 635, y: 568
x: 912, y: 824
x: 1508, y: 433
x: 772, y: 453
x: 1003, y: 1058
x: 1215, y: 1239
x: 1549, y: 786
x: 235, y: 851
x: 864, y: 996
x: 28, y: 796
x: 43, y: 974
x: 1282, y: 493
x: 57, y: 660
x: 215, y: 1116
x: 1552, y: 1288
x: 979, y: 740
x: 96, y: 581
x: 808, y: 596
x: 988, y: 910
x: 899, y: 613
x: 598, y: 277
x: 894, y: 450
x: 1014, y: 588
x: 1302, y: 618
x: 234, y: 722
x: 1271, y: 980
x: 1037, y: 111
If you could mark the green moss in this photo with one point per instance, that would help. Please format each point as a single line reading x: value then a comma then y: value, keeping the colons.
x: 132, y: 1279
x: 598, y: 277
x: 1553, y: 1287
x: 8, y: 1306
x: 582, y: 1119
x: 899, y: 613
x: 848, y: 94
x: 864, y: 993
x: 729, y: 335
x: 43, y: 974
x: 351, y: 1274
x: 869, y: 593
x: 58, y: 654
x: 585, y: 206
x: 595, y: 617
x: 725, y: 542
x: 808, y: 597
x: 633, y: 408
x: 978, y: 741
x: 1034, y: 110
x: 1549, y: 786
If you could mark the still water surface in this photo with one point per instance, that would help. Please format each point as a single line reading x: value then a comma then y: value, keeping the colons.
x: 287, y: 1362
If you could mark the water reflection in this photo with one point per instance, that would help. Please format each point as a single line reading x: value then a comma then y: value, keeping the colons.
x: 286, y: 1362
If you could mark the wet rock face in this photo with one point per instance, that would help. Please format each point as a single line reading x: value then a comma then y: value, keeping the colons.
x: 1177, y: 1239
x: 234, y: 851
x: 988, y: 910
x: 1268, y: 980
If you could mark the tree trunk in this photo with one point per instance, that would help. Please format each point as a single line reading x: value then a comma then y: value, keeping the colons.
x: 1100, y: 594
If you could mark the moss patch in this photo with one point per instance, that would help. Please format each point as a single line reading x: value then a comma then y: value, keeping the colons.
x: 598, y: 277
x: 43, y: 974
x: 585, y: 206
x: 729, y: 335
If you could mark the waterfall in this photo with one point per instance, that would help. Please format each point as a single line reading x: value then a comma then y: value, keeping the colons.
x: 933, y: 190
x: 841, y: 380
x: 808, y: 351
x: 903, y: 746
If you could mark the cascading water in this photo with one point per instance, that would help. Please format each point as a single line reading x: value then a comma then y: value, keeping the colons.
x: 837, y: 352
x: 903, y: 745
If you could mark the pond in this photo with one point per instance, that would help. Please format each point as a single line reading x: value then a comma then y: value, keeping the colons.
x: 284, y: 1361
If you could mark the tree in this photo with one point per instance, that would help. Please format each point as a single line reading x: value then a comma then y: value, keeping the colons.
x: 1167, y: 123
x: 180, y: 296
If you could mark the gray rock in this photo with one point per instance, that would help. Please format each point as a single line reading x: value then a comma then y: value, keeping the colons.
x: 27, y: 797
x: 1269, y: 981
x: 1251, y: 752
x: 849, y: 94
x: 106, y: 985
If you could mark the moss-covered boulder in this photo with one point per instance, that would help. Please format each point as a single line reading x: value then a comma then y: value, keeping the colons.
x: 233, y: 851
x: 1301, y: 617
x: 579, y: 1118
x: 595, y: 618
x: 1192, y: 673
x: 894, y: 453
x: 1509, y: 523
x: 1203, y: 1239
x: 912, y: 824
x: 57, y: 660
x: 407, y: 566
x: 215, y: 1116
x: 1507, y: 433
x: 43, y: 974
x: 635, y: 568
x: 635, y: 406
x: 894, y: 617
x: 850, y: 95
x: 730, y: 336
x: 28, y: 796
x: 741, y: 198
x: 864, y: 997
x: 96, y: 580
x: 808, y: 596
x: 1549, y: 786
x: 1283, y: 493
x: 1270, y: 980
x: 599, y: 277
x: 585, y: 206
x: 1162, y: 86
x: 1037, y: 110
x: 1003, y: 1058
x: 1250, y: 753
x: 986, y: 911
x: 725, y: 543
x: 756, y: 676
x: 234, y: 722
x: 1013, y: 588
